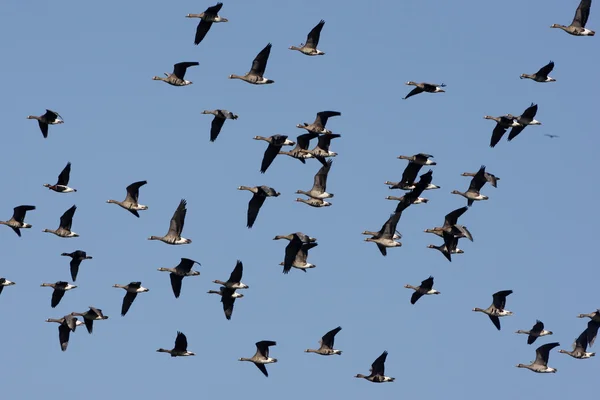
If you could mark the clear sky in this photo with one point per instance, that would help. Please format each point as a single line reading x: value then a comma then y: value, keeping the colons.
x: 93, y: 63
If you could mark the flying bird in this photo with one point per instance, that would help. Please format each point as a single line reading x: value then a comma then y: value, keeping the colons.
x: 207, y: 18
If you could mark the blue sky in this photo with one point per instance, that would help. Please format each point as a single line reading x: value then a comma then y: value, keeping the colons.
x: 93, y: 63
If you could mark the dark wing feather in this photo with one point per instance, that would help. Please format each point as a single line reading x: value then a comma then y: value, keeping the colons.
x: 291, y: 250
x: 303, y: 140
x: 57, y: 296
x: 427, y: 284
x: 497, y: 134
x: 227, y: 301
x: 201, y: 31
x: 180, y: 68
x: 178, y: 219
x: 254, y: 206
x: 312, y: 40
x: 410, y: 173
x: 378, y: 366
x: 127, y: 302
x: 478, y: 180
x: 17, y: 231
x: 74, y: 267
x: 215, y: 127
x: 515, y: 131
x: 186, y: 265
x: 495, y: 320
x: 546, y: 69
x: 415, y: 296
x: 176, y: 281
x: 270, y: 154
x: 416, y: 90
x: 63, y: 336
x: 263, y: 369
x: 181, y: 343
x: 133, y: 191
x: 259, y: 64
x: 236, y: 274
x: 499, y: 298
x: 63, y: 177
x: 20, y: 211
x: 44, y: 128
x: 592, y: 332
x: 66, y: 220
x: 582, y: 13
x: 542, y: 353
x: 452, y: 217
x: 214, y: 10
x: 329, y: 338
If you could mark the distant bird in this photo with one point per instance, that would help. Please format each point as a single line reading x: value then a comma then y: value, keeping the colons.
x: 318, y: 125
x: 207, y: 18
x: 312, y: 41
x: 176, y: 78
x: 76, y: 258
x: 180, y: 348
x: 449, y: 247
x: 302, y: 143
x: 540, y: 364
x: 542, y: 74
x: 63, y: 181
x: 326, y: 343
x: 299, y: 260
x: 132, y: 289
x: 93, y: 314
x: 496, y: 309
x: 297, y: 240
x: 418, y: 200
x: 5, y: 282
x: 425, y: 288
x: 68, y: 324
x: 66, y: 221
x: 317, y: 203
x: 551, y: 136
x: 417, y: 188
x: 218, y: 121
x: 491, y: 178
x: 377, y: 371
x: 385, y: 236
x: 577, y: 27
x: 16, y: 222
x: 228, y: 297
x: 527, y: 118
x: 502, y: 124
x: 420, y: 159
x: 424, y: 87
x: 301, y: 236
x: 477, y: 182
x: 322, y: 147
x: 259, y: 64
x: 275, y: 144
x: 173, y: 236
x: 580, y: 347
x: 181, y: 270
x: 593, y: 325
x: 319, y: 189
x: 49, y: 118
x: 60, y: 288
x: 451, y: 225
x: 235, y: 278
x: 261, y: 357
x: 257, y: 200
x: 131, y: 200
x: 535, y: 332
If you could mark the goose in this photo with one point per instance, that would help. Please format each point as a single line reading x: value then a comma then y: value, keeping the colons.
x: 424, y: 87
x: 580, y: 347
x: 275, y: 144
x: 210, y: 15
x: 228, y: 297
x: 5, y: 282
x: 409, y: 175
x: 317, y: 203
x: 527, y: 118
x: 377, y: 370
x: 62, y: 182
x: 318, y: 126
x: 132, y: 289
x: 257, y: 200
x: 502, y: 124
x: 319, y: 189
x: 299, y: 235
x: 420, y: 159
x: 425, y: 288
x: 49, y: 118
x: 496, y: 309
x: 594, y: 316
x: 477, y: 182
x: 16, y: 222
x: 593, y: 325
x: 417, y: 188
x: 396, y: 235
x: 535, y: 332
x: 68, y: 324
x: 451, y: 225
x: 302, y: 143
x: 490, y: 178
x: 60, y: 288
x: 176, y: 78
x: 93, y: 314
x: 405, y: 186
x: 173, y: 236
x: 312, y: 41
x: 259, y: 64
x: 180, y: 348
x: 551, y: 136
x: 261, y: 357
x: 64, y: 228
x: 419, y: 200
x: 131, y: 200
x: 449, y: 247
x: 297, y: 240
x: 322, y: 147
x: 540, y: 364
x: 181, y: 270
x: 385, y: 236
x: 76, y: 258
x: 218, y: 121
x: 235, y: 278
x: 577, y: 27
x: 326, y: 343
x: 542, y: 74
x: 299, y: 260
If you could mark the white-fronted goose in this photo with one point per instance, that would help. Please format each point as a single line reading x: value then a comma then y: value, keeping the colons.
x: 312, y: 41
x: 218, y: 121
x: 317, y: 203
x: 407, y: 182
x: 68, y: 324
x: 385, y: 236
x: 542, y: 353
x: 502, y: 124
x: 477, y: 182
x: 235, y: 278
x: 449, y: 247
x: 91, y: 315
x: 322, y: 147
x: 409, y: 175
x: 63, y: 181
x: 319, y: 189
x: 131, y: 200
x: 275, y: 144
x: 420, y: 159
x: 49, y: 118
x: 228, y: 297
x: 451, y: 225
x: 296, y: 235
x: 491, y: 178
x: 377, y: 371
x: 176, y: 78
x: 5, y: 282
x: 396, y: 235
x: 424, y: 87
x: 542, y: 74
x: 425, y: 288
x: 496, y: 309
x: 593, y: 325
x: 318, y: 125
x: 132, y: 289
x: 577, y: 27
x: 257, y: 200
x: 16, y: 222
x: 60, y: 288
x: 180, y: 348
x: 76, y: 258
x: 299, y: 260
x: 419, y: 200
x: 302, y: 143
x: 326, y: 343
x: 261, y: 357
x: 580, y: 347
x: 64, y: 228
x: 551, y: 136
x: 173, y: 236
x: 527, y: 118
x: 594, y: 316
x: 180, y: 271
x: 206, y: 20
x: 291, y: 250
x: 259, y: 64
x: 535, y: 332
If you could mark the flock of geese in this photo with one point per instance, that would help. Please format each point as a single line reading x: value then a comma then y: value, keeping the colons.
x: 299, y: 244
